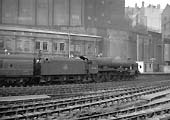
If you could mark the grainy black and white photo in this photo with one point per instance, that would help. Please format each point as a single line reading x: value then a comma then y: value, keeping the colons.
x: 84, y: 59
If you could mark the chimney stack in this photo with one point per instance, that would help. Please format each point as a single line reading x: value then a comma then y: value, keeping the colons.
x: 158, y: 6
x: 136, y: 5
x: 143, y: 4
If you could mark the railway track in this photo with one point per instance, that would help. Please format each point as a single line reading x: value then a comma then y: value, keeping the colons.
x: 131, y: 111
x: 136, y: 113
x: 72, y: 90
x: 76, y: 100
x: 57, y: 108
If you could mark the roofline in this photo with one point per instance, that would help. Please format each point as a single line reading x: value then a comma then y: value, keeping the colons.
x: 46, y: 31
x: 166, y: 7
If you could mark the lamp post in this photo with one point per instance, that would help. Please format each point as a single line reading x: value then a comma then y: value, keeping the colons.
x: 69, y: 44
x: 152, y: 63
x: 137, y: 47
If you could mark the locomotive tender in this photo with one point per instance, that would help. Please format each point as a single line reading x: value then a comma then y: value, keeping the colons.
x: 17, y: 70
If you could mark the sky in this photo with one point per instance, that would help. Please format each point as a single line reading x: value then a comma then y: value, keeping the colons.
x: 131, y: 3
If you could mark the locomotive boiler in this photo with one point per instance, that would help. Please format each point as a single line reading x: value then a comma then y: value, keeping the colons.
x: 110, y: 69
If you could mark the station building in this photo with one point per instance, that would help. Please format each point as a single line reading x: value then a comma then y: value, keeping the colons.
x: 166, y: 37
x: 53, y: 26
x: 146, y: 32
x: 166, y: 33
x: 28, y: 41
x: 65, y: 28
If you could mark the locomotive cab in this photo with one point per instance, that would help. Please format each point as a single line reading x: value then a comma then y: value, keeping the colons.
x: 91, y: 69
x: 91, y: 65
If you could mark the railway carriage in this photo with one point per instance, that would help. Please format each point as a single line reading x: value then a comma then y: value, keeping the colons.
x: 15, y: 70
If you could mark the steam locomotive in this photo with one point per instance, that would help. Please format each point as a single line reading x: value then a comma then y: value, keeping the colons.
x: 17, y: 70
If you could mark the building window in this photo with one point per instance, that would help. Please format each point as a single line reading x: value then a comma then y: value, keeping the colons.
x: 77, y: 48
x: 19, y: 45
x: 44, y: 45
x: 61, y: 46
x: 89, y: 47
x: 164, y: 26
x: 1, y: 44
x: 55, y: 46
x: 165, y: 18
x: 26, y: 46
x: 71, y: 47
x: 37, y: 45
x: 150, y: 65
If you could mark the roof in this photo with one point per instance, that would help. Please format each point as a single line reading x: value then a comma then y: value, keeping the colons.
x: 21, y: 29
x: 13, y: 56
x: 166, y: 10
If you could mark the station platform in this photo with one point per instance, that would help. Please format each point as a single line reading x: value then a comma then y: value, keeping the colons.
x: 154, y: 76
x: 155, y: 73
